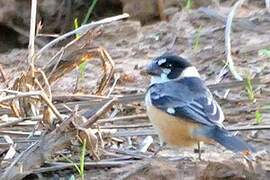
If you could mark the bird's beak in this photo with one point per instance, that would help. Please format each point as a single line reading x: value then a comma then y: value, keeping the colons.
x: 153, y: 69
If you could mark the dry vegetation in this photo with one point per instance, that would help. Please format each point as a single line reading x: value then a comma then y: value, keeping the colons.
x: 55, y: 123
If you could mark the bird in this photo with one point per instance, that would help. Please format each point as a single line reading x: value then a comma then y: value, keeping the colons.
x: 182, y: 109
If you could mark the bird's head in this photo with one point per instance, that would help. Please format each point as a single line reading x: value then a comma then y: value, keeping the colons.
x: 170, y: 67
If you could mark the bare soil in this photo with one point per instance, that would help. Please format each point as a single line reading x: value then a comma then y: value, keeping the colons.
x: 199, y: 38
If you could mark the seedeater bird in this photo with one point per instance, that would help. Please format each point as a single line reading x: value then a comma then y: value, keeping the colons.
x: 182, y: 109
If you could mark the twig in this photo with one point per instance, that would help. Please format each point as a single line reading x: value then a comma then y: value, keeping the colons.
x: 102, y: 110
x: 8, y: 174
x: 81, y: 30
x: 59, y: 54
x: 16, y: 121
x: 116, y: 78
x: 19, y: 133
x: 249, y: 128
x: 267, y: 4
x: 77, y: 97
x: 228, y: 30
x: 142, y: 125
x: 32, y: 35
x: 48, y: 102
x: 11, y: 152
x: 123, y: 118
x: 42, y: 95
x: 20, y: 95
x: 148, y: 132
x: 3, y: 74
x: 35, y: 156
x: 100, y: 164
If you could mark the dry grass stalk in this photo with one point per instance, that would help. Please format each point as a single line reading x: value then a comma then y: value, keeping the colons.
x: 82, y: 30
x: 228, y: 30
x: 25, y: 96
x: 80, y: 56
x: 50, y: 142
x: 32, y: 35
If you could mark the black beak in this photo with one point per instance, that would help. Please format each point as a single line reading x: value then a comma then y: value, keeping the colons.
x: 153, y: 69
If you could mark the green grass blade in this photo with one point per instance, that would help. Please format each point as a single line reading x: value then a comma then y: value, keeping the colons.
x: 258, y: 117
x: 196, y: 44
x: 264, y: 52
x: 89, y: 12
x: 76, y: 26
x: 74, y: 164
x: 82, y: 159
x: 188, y: 4
x: 249, y: 89
x: 82, y: 69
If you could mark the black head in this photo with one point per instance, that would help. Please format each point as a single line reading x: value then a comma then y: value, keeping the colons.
x: 170, y: 65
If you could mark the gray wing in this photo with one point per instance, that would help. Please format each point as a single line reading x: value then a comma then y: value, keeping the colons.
x: 187, y: 97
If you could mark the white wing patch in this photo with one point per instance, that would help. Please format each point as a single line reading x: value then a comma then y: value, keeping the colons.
x: 171, y: 110
x: 221, y: 115
x: 161, y: 61
x: 214, y: 108
x: 164, y: 77
x: 166, y: 70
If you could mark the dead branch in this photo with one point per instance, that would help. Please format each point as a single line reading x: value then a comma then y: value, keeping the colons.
x: 95, y: 117
x: 123, y: 118
x: 32, y: 35
x: 228, y: 30
x: 79, y: 56
x: 100, y: 164
x: 41, y: 150
x: 81, y: 30
x: 41, y: 95
x: 48, y: 143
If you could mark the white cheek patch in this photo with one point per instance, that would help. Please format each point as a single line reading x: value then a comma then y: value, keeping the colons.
x: 171, y: 110
x: 214, y: 109
x: 166, y: 70
x: 209, y: 101
x: 190, y: 72
x: 161, y: 61
x: 164, y: 77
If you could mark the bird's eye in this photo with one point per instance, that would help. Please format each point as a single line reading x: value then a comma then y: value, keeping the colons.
x: 168, y: 65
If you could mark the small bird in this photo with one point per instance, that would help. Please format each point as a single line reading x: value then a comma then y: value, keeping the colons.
x: 182, y: 109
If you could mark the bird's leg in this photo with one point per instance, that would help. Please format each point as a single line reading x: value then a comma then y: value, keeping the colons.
x: 199, y: 151
x: 162, y: 144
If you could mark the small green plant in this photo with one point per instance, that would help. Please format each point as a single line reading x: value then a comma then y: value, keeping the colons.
x: 196, y: 44
x: 188, y: 4
x: 76, y: 26
x: 82, y: 67
x: 264, y: 52
x: 89, y: 12
x: 249, y: 88
x: 82, y: 158
x: 80, y: 168
x: 258, y: 117
x: 251, y: 97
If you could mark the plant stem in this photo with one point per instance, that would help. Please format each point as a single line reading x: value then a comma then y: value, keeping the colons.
x: 89, y: 12
x: 83, y: 150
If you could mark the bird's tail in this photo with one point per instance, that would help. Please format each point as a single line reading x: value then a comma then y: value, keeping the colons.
x: 230, y: 141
